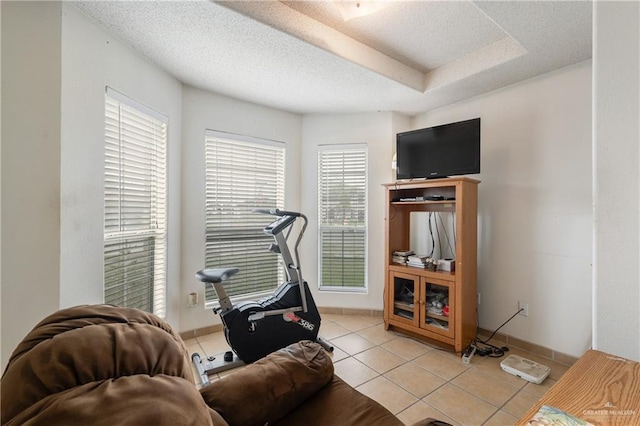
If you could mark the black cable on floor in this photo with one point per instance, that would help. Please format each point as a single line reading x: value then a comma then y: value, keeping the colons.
x: 490, y: 350
x: 503, y: 324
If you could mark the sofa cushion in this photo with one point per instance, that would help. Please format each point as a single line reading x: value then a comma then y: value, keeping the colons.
x: 340, y: 404
x: 270, y: 388
x: 133, y: 400
x: 102, y: 365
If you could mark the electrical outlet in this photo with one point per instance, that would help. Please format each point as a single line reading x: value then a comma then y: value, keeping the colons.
x: 192, y: 300
x: 525, y: 309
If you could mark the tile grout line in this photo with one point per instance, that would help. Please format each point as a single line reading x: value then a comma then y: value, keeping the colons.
x: 496, y: 409
x: 404, y: 361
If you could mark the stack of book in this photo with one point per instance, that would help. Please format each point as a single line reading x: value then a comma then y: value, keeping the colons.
x: 417, y: 260
x: 421, y: 261
x: 400, y: 256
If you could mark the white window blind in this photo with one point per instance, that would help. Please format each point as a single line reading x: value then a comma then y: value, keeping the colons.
x: 135, y: 205
x: 342, y: 204
x: 242, y: 174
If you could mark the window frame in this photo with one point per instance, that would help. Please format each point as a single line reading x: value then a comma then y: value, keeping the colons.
x: 342, y: 148
x: 151, y: 144
x: 211, y: 300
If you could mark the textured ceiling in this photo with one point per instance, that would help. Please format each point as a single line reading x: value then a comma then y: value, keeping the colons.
x: 410, y: 57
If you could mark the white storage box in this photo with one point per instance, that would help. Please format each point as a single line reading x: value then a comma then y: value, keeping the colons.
x: 525, y: 368
x: 447, y: 265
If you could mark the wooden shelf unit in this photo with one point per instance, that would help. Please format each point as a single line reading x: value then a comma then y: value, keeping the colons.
x: 409, y: 291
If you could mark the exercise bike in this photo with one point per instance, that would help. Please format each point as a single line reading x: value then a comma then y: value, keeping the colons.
x: 254, y: 329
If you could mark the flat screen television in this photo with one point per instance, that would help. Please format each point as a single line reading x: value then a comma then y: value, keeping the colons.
x: 439, y: 151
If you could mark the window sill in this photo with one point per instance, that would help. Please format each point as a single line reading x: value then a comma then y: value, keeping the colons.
x: 214, y: 304
x: 357, y: 290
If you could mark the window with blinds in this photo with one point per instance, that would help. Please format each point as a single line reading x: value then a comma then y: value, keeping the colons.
x: 242, y: 174
x: 135, y: 205
x: 342, y: 207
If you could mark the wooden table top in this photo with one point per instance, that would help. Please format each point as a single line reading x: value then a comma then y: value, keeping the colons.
x: 599, y: 388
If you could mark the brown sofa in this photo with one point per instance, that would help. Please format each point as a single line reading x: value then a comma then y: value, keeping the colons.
x: 104, y: 365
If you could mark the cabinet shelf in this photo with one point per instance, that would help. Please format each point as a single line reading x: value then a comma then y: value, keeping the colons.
x: 442, y: 275
x: 404, y: 306
x: 403, y: 203
x: 438, y: 317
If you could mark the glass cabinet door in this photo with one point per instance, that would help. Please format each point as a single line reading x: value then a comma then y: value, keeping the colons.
x: 437, y: 306
x: 403, y: 300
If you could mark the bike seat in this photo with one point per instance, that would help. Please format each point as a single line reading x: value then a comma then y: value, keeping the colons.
x: 214, y: 276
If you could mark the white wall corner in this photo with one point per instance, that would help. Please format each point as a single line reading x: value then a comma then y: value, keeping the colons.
x: 616, y: 186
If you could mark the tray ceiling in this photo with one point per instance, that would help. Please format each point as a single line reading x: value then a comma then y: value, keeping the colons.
x: 302, y: 56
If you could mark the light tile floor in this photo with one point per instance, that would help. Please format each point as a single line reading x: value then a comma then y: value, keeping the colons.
x: 415, y: 380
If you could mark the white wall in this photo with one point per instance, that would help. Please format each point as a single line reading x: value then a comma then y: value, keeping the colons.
x: 91, y: 60
x: 201, y: 111
x: 616, y: 189
x: 534, y: 229
x: 30, y: 166
x: 378, y: 131
x: 56, y: 65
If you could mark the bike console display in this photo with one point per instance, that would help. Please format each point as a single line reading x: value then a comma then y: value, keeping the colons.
x: 279, y: 225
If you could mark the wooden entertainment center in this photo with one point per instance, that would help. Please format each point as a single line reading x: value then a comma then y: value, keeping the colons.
x: 412, y: 293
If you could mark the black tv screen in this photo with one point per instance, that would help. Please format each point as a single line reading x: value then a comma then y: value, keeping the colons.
x: 439, y: 151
